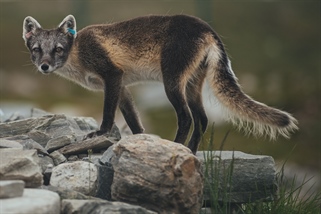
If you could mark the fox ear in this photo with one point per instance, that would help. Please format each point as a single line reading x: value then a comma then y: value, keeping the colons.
x: 68, y: 25
x: 29, y: 27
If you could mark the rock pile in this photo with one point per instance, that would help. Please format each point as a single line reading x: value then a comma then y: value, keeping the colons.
x: 47, y: 152
x: 46, y: 165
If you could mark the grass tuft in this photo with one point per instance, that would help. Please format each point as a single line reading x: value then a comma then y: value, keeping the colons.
x: 290, y: 199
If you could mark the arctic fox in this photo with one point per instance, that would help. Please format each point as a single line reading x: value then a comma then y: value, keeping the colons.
x: 180, y: 51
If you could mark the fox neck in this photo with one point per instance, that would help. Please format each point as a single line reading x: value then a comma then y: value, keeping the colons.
x: 72, y: 70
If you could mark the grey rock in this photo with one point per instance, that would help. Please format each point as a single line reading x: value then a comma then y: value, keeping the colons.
x: 104, y: 182
x: 79, y: 176
x: 17, y: 164
x: 107, y: 156
x: 57, y: 157
x: 35, y: 201
x: 11, y: 188
x: 157, y: 174
x: 19, y: 127
x: 28, y: 143
x: 239, y: 177
x: 5, y: 143
x: 86, y: 124
x: 39, y: 136
x: 101, y: 207
x: 59, y: 142
x: 58, y: 125
x: 105, y: 176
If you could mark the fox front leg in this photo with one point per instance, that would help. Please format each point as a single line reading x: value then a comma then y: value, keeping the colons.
x: 129, y: 111
x: 111, y: 97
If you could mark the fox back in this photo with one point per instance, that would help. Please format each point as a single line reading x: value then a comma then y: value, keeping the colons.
x: 181, y: 51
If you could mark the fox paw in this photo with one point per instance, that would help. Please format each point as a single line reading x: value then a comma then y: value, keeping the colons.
x: 94, y: 134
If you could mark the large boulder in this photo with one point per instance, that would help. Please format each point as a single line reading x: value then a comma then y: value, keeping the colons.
x: 157, y: 174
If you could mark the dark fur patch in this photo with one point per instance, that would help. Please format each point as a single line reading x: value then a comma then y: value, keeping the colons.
x: 93, y: 56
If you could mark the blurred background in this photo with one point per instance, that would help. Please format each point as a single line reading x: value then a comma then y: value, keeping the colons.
x: 274, y: 47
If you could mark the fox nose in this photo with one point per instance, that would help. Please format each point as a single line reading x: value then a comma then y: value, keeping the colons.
x: 44, y: 67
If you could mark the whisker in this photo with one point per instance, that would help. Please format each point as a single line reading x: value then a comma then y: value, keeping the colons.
x: 25, y: 52
x: 27, y: 64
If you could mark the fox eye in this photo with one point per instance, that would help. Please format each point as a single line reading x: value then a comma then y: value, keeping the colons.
x: 59, y: 49
x: 36, y: 50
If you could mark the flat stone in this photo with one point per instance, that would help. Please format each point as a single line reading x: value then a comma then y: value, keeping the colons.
x: 18, y: 127
x: 4, y: 143
x: 79, y: 176
x: 11, y: 188
x: 96, y: 143
x: 59, y: 142
x: 238, y: 177
x: 35, y: 201
x: 101, y: 207
x: 17, y: 164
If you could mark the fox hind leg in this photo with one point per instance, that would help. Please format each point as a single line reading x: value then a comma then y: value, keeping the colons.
x: 174, y: 88
x: 179, y: 59
x: 194, y: 98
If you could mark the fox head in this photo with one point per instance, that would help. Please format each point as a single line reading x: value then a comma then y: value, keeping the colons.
x: 49, y: 49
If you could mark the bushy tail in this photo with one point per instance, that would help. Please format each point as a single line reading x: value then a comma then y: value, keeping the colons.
x: 254, y: 117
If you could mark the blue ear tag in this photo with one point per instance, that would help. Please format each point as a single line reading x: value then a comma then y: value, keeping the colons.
x: 72, y: 31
